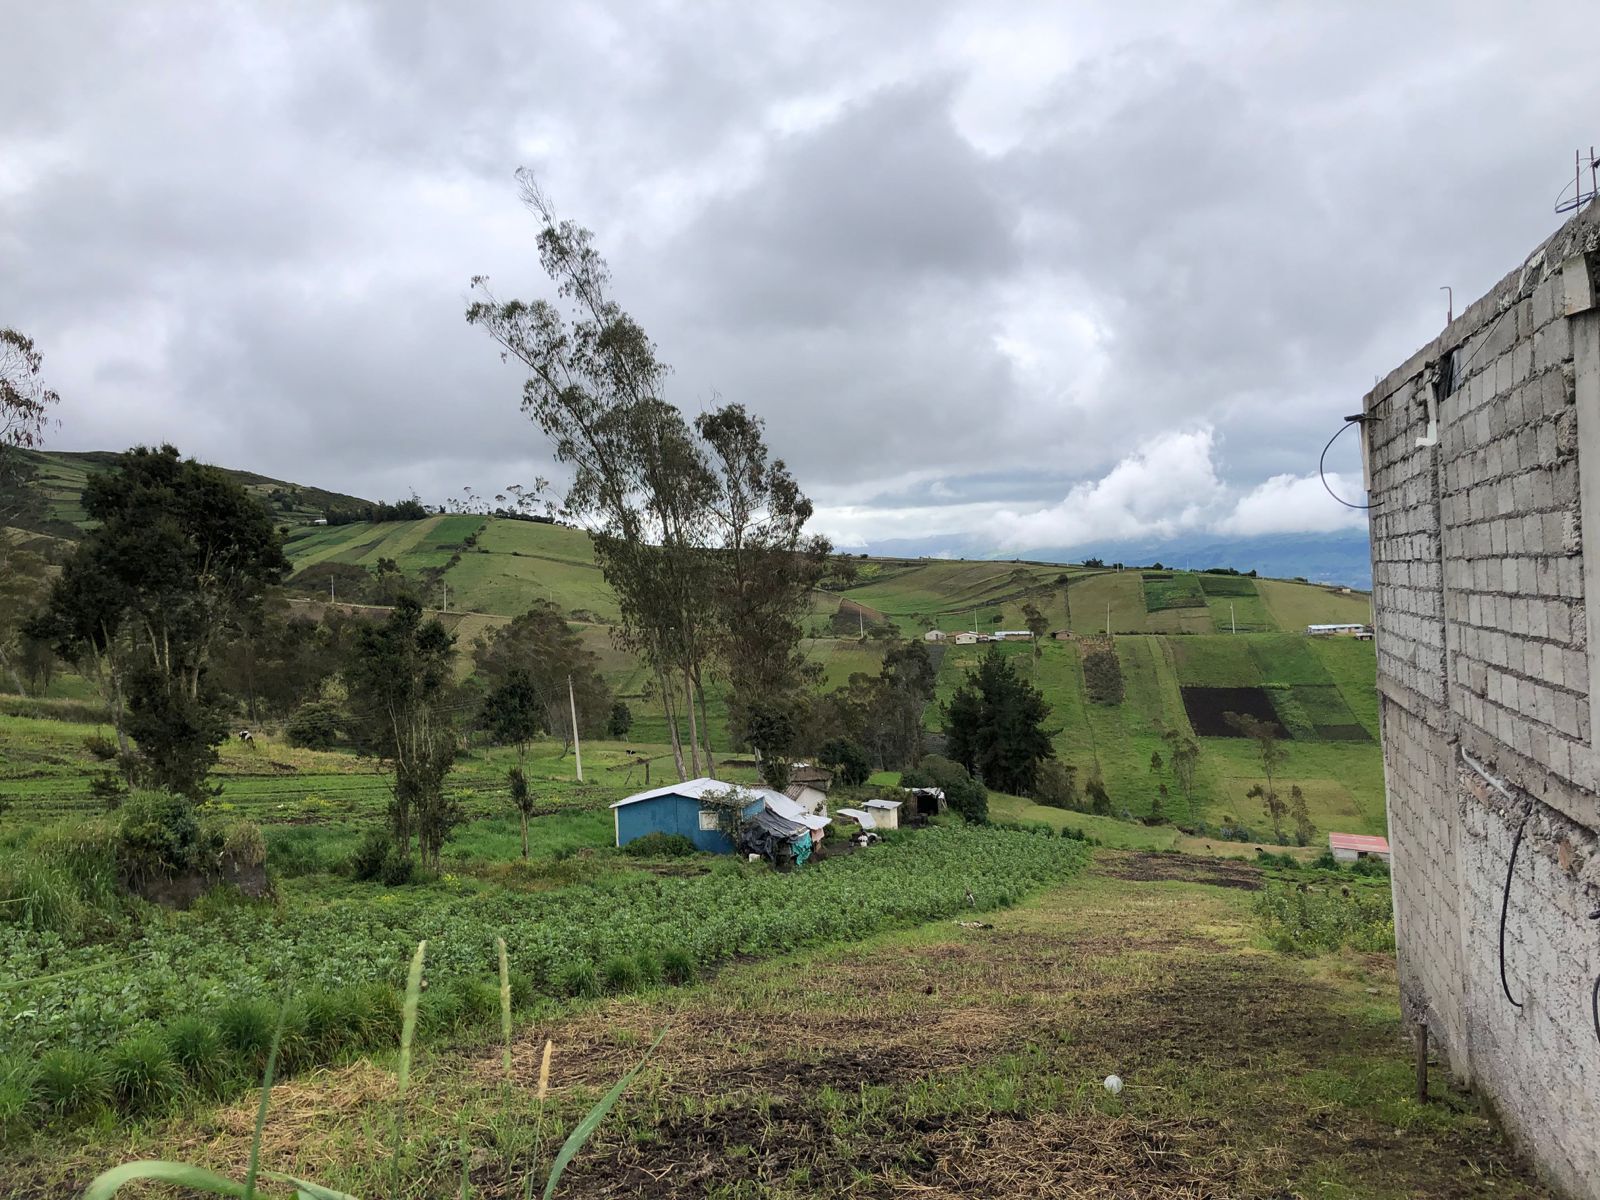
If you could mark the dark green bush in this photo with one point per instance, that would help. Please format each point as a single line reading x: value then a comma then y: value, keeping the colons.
x: 143, y: 1073
x: 619, y: 973
x: 100, y: 747
x: 376, y: 859
x: 158, y: 836
x: 660, y: 845
x: 315, y: 726
x: 72, y: 1081
x: 649, y: 968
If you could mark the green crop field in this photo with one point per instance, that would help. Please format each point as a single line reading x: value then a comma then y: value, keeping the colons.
x: 1342, y: 779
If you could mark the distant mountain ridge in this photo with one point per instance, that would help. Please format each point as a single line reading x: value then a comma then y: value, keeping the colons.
x: 1340, y: 558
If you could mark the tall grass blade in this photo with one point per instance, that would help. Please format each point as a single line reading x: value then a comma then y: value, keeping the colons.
x: 505, y: 1004
x: 408, y: 1031
x: 590, y: 1123
x: 466, y: 1156
x: 538, y: 1135
x: 266, y: 1098
x: 197, y: 1179
x: 408, y: 1022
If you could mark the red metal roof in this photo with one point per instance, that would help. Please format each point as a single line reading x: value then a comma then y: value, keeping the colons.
x: 1358, y: 841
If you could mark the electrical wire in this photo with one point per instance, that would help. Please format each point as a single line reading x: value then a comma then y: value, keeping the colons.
x: 1322, y: 463
x: 1505, y: 902
x: 1594, y: 1007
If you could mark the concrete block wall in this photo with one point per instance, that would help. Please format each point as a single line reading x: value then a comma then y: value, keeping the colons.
x: 1474, y: 450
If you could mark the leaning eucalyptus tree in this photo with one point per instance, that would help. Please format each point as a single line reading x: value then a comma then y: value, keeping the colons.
x: 639, y: 480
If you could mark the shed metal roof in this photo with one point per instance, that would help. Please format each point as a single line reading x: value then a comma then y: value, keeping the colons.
x: 1358, y: 841
x: 696, y: 789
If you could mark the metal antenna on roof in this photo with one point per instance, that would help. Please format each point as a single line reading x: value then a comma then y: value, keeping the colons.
x: 1574, y: 197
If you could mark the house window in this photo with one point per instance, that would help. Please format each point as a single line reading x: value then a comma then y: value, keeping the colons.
x: 708, y: 820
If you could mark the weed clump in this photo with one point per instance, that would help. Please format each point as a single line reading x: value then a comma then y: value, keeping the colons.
x: 619, y: 973
x: 142, y: 1072
x: 71, y: 1082
x: 678, y: 966
x: 247, y: 1025
x: 197, y: 1050
x: 578, y: 980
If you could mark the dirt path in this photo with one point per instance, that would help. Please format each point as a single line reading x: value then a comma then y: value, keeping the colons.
x: 941, y: 1062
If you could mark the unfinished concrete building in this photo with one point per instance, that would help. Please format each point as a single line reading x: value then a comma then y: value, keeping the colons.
x: 1482, y: 455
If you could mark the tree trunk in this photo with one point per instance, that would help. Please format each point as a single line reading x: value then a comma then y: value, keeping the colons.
x: 672, y: 722
x: 11, y: 670
x: 705, y: 724
x: 694, y: 727
x: 524, y: 835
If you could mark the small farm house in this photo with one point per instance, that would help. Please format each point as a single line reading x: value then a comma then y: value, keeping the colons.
x: 695, y: 810
x: 1013, y: 635
x: 679, y: 808
x: 934, y: 635
x: 808, y: 787
x: 1364, y: 632
x: 1347, y: 847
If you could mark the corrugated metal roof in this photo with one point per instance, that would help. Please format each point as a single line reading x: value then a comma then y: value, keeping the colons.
x: 883, y: 804
x: 1358, y: 841
x: 863, y: 819
x: 695, y: 789
x: 791, y: 811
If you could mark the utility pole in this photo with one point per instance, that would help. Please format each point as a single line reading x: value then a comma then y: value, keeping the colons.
x: 577, y: 750
x: 1108, y: 618
x: 1232, y: 620
x: 444, y: 596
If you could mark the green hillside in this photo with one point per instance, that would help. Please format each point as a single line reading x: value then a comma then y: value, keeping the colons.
x: 60, y: 477
x: 1320, y: 691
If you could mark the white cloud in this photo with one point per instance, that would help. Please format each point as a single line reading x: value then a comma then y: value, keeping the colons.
x: 1167, y: 487
x: 1173, y: 485
x: 1295, y: 504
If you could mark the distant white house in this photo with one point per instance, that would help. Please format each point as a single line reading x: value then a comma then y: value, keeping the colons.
x: 1356, y: 631
x: 934, y: 635
x: 319, y: 520
x: 967, y: 638
x: 1013, y: 635
x: 1347, y: 847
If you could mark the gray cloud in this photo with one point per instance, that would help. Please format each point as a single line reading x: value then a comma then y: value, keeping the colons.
x: 969, y: 267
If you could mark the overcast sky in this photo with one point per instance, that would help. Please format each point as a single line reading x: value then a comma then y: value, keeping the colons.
x: 1034, y: 273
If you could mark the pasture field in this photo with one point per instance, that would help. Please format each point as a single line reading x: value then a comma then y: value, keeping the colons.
x: 1295, y: 605
x: 932, y: 1060
x: 1236, y: 605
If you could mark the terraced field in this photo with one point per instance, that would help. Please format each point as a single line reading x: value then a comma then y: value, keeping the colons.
x: 1321, y: 692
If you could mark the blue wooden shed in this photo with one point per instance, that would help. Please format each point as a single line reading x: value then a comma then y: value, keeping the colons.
x: 678, y: 808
